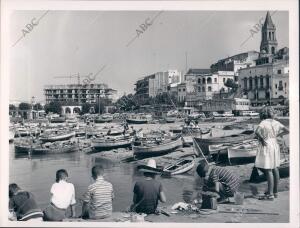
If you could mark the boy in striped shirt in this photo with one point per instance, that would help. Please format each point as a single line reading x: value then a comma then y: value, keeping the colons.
x: 219, y: 180
x: 97, y: 201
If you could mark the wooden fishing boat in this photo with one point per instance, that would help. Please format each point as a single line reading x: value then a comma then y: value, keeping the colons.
x: 170, y: 119
x: 57, y: 136
x: 11, y: 135
x: 156, y: 147
x: 246, y: 150
x: 176, y: 129
x: 59, y: 119
x: 105, y: 118
x: 37, y: 147
x: 138, y: 119
x: 26, y: 131
x: 107, y: 143
x: 204, y: 143
x: 182, y: 166
x: 191, y: 130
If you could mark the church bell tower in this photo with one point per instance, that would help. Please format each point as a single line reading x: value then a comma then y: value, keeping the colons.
x: 268, y: 43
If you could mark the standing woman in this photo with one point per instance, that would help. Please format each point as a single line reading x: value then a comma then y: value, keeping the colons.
x: 62, y: 197
x: 268, y: 156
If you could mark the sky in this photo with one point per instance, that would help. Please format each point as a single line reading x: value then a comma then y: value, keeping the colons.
x: 65, y: 43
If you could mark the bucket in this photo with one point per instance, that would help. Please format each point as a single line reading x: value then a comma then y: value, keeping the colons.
x: 239, y: 198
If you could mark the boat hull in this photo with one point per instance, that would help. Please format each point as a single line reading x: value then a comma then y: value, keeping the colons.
x: 100, y: 145
x: 203, y: 144
x: 136, y: 121
x: 173, y: 170
x: 157, y: 149
x: 58, y: 138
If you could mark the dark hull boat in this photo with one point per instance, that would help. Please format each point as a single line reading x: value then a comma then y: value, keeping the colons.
x: 60, y: 136
x: 108, y: 143
x: 153, y: 149
x: 204, y: 144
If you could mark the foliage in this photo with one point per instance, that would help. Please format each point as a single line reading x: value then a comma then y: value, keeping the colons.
x: 54, y: 107
x: 12, y: 107
x: 231, y: 84
x: 24, y: 106
x: 37, y: 107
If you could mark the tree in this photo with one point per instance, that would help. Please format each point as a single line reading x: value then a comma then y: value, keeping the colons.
x: 54, y: 107
x: 24, y: 106
x: 37, y: 107
x: 231, y: 84
x: 12, y: 107
x: 86, y: 108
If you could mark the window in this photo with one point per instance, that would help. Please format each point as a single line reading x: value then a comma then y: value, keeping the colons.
x: 275, y: 86
x: 261, y: 82
x: 179, y: 90
x: 215, y: 80
x: 285, y: 85
x: 250, y: 83
x: 203, y: 81
x: 256, y: 82
x: 209, y: 88
x: 280, y: 86
x: 245, y: 83
x: 278, y: 71
x: 224, y: 80
x: 183, y: 90
x: 199, y: 80
x: 199, y: 89
x: 203, y: 89
x: 209, y: 80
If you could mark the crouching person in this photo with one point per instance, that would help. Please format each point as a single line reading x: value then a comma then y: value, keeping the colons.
x: 23, y: 205
x: 219, y: 180
x: 97, y: 201
x: 62, y: 197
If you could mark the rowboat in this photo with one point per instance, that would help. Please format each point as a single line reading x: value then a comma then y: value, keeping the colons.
x: 246, y: 150
x: 170, y: 119
x: 105, y: 118
x: 138, y: 119
x: 24, y: 131
x: 182, y: 166
x: 60, y: 119
x: 57, y: 136
x: 37, y: 147
x: 107, y: 143
x: 203, y: 144
x: 11, y: 134
x: 156, y: 147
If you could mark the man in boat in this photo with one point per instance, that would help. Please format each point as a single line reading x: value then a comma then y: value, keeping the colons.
x: 219, y: 180
x: 147, y: 192
x: 97, y: 201
x: 22, y: 205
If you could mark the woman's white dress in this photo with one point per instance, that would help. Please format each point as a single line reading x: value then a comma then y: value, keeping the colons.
x: 268, y: 157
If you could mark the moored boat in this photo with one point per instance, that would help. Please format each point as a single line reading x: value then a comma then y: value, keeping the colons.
x: 246, y: 150
x: 60, y: 119
x: 156, y: 147
x: 203, y: 144
x: 139, y: 118
x: 37, y: 147
x: 170, y: 119
x: 104, y: 118
x: 182, y: 166
x: 107, y: 143
x: 57, y: 136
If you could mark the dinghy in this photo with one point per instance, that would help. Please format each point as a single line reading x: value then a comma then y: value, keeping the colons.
x: 182, y: 166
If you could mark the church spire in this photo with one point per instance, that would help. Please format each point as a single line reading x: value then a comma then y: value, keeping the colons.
x: 268, y: 43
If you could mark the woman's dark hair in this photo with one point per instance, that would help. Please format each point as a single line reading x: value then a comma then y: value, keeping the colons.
x: 12, y: 188
x: 267, y: 113
x: 61, y: 174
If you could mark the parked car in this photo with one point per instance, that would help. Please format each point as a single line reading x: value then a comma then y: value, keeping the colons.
x: 227, y: 114
x: 250, y: 113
